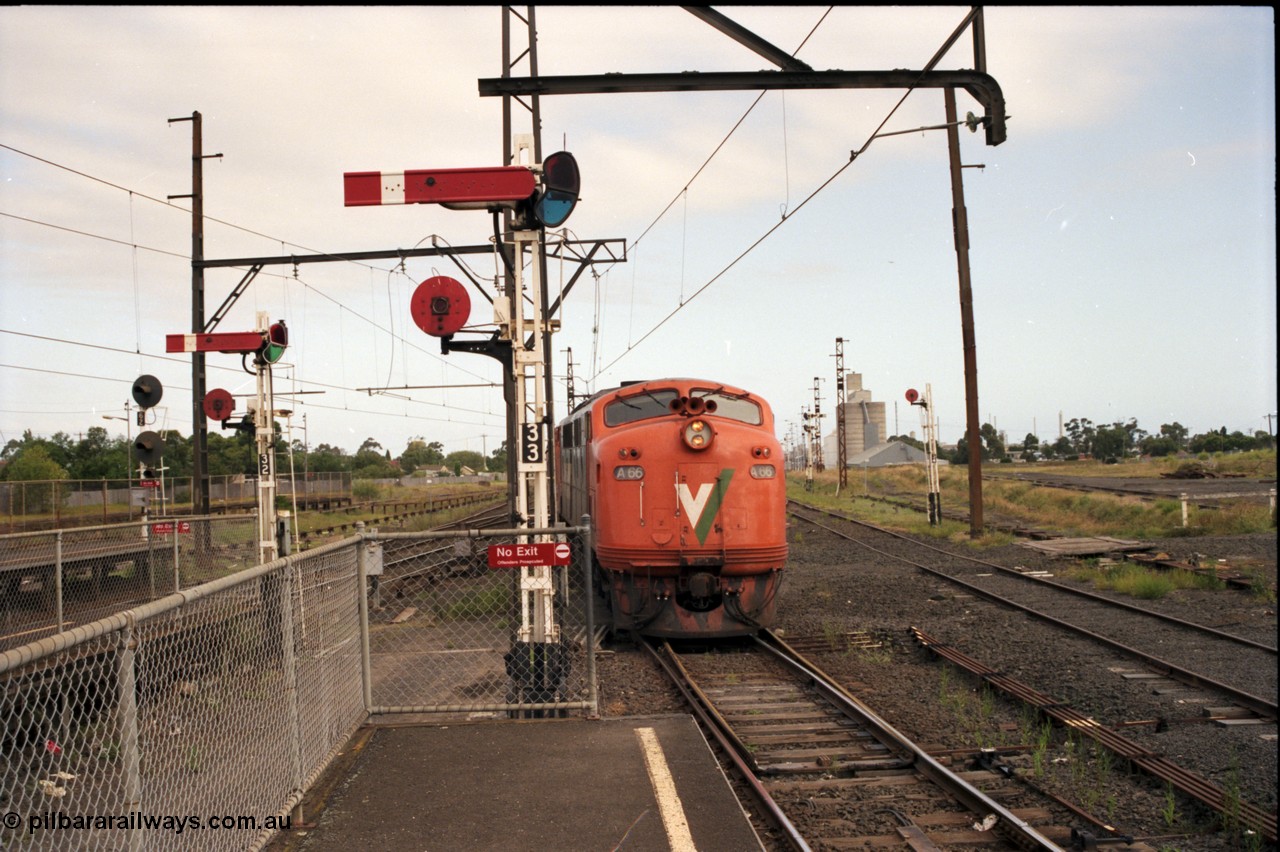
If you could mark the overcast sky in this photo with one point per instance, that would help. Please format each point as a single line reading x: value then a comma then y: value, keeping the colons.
x: 1122, y: 239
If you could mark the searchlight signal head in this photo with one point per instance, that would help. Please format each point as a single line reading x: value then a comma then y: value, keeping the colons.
x: 147, y: 391
x: 149, y: 448
x: 558, y: 195
x: 275, y: 342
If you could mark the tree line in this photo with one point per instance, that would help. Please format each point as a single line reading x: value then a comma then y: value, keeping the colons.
x: 96, y: 455
x: 1112, y: 442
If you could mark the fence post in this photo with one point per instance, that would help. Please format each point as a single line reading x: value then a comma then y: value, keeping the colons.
x: 289, y: 668
x: 587, y: 550
x: 177, y: 576
x: 1183, y: 495
x: 130, y: 759
x: 366, y: 671
x: 151, y: 555
x: 57, y: 577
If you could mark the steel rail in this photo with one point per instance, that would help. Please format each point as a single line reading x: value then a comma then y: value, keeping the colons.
x: 971, y: 797
x: 1159, y: 616
x: 718, y: 728
x: 1264, y: 708
x: 1185, y: 780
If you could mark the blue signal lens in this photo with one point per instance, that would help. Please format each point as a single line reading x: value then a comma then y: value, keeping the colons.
x: 553, y: 208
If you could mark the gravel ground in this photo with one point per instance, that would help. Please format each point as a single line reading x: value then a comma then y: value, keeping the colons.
x: 834, y: 586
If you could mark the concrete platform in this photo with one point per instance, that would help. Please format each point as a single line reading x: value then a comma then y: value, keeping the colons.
x: 527, y: 785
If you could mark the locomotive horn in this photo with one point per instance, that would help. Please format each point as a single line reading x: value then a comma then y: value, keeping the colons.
x: 696, y: 405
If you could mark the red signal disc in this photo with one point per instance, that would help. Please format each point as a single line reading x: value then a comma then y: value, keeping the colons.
x: 440, y: 306
x: 218, y: 404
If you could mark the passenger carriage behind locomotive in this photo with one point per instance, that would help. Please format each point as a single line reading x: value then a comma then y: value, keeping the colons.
x: 683, y: 480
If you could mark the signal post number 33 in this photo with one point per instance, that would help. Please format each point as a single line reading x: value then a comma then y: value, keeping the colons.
x: 533, y: 454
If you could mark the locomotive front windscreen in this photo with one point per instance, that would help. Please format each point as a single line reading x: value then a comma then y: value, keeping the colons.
x: 657, y: 403
x: 642, y: 406
x: 733, y: 407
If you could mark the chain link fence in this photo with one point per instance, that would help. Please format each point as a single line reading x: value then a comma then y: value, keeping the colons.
x: 49, y: 504
x: 51, y: 581
x: 200, y: 719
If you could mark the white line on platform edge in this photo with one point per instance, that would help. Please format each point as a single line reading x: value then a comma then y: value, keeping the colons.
x: 664, y: 788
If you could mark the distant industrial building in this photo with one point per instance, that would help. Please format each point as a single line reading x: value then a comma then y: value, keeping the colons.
x: 891, y: 453
x: 864, y: 423
x: 866, y: 437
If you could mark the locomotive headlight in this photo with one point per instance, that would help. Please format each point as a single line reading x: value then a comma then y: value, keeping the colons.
x: 697, y: 434
x: 763, y: 471
x: 626, y: 472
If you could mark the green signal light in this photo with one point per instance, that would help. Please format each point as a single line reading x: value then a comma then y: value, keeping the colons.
x: 277, y: 341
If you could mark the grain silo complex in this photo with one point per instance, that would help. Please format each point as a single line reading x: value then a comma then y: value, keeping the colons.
x: 864, y: 423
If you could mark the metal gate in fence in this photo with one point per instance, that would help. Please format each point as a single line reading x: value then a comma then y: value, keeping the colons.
x: 444, y: 627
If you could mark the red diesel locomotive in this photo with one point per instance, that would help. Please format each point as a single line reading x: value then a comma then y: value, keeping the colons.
x: 684, y: 483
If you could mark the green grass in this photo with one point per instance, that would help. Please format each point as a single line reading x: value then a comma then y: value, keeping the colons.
x: 1067, y: 512
x: 480, y: 603
x: 1139, y: 582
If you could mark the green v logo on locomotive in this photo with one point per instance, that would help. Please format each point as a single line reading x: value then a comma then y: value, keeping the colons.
x: 703, y: 507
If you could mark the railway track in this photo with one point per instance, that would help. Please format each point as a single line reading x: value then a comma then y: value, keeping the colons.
x: 401, y: 510
x: 1141, y: 758
x: 1150, y: 637
x: 409, y: 563
x: 831, y: 774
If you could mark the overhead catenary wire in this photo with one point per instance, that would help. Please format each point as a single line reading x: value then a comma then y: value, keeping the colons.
x: 94, y: 236
x: 136, y: 247
x: 684, y: 193
x: 684, y: 189
x: 166, y: 203
x: 786, y: 216
x: 306, y: 382
x: 319, y: 292
x: 729, y: 266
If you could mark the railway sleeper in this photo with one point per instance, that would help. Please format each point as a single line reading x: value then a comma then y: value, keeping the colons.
x: 829, y: 766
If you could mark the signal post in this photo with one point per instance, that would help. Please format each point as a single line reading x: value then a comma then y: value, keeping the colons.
x: 537, y: 663
x: 267, y: 344
x: 532, y: 486
x: 930, y: 422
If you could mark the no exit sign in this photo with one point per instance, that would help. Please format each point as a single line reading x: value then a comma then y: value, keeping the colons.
x: 541, y: 555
